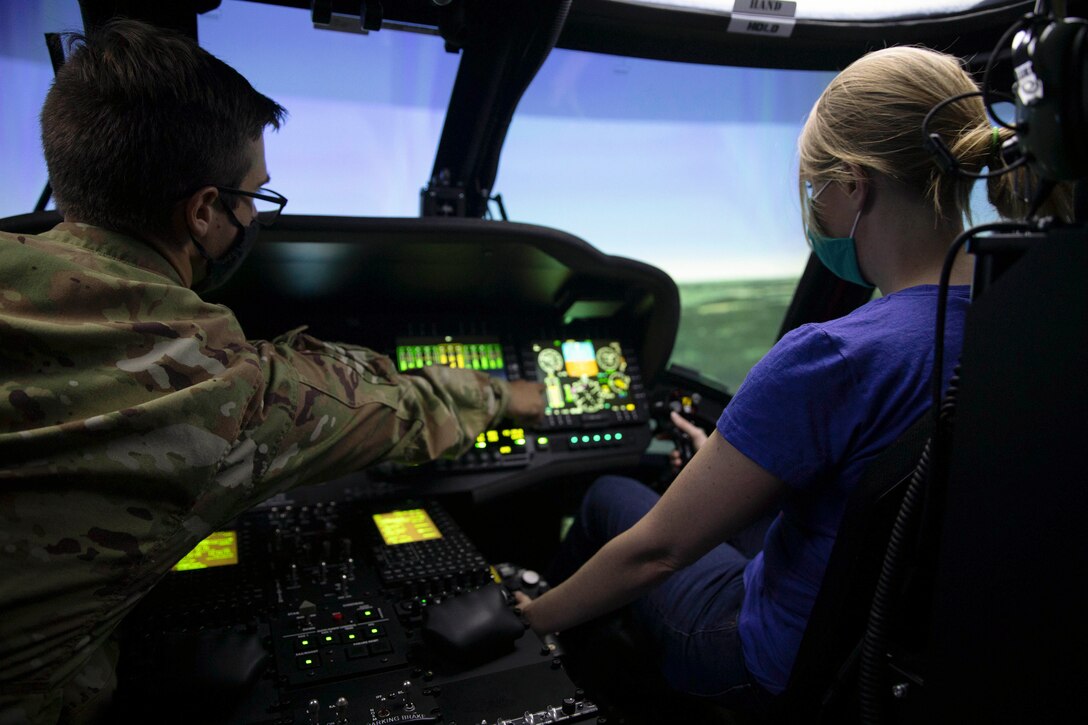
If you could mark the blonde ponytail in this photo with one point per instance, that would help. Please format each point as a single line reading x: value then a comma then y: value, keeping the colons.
x: 871, y: 115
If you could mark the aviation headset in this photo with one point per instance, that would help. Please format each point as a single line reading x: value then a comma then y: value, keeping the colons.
x: 1049, y: 59
x: 1049, y: 56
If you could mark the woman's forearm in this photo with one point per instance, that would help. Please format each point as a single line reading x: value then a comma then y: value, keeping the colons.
x: 718, y: 493
x: 623, y: 570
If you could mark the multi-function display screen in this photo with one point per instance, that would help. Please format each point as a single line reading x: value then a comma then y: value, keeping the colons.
x: 483, y: 354
x: 406, y: 527
x: 583, y: 376
x: 219, y: 549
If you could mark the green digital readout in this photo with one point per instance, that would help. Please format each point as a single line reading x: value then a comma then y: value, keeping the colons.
x: 482, y: 354
x: 219, y: 549
x: 404, y: 527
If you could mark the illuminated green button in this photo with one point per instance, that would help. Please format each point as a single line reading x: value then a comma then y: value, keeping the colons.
x: 305, y: 643
x: 597, y: 439
x: 585, y: 439
x: 308, y: 662
x: 542, y: 441
x: 619, y: 436
x: 608, y: 436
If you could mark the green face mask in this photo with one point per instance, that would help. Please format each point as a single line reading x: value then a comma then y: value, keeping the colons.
x: 838, y: 254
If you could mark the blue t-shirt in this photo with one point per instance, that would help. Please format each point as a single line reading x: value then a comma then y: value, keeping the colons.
x: 814, y: 412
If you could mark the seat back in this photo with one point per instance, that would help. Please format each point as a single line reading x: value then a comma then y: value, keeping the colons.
x: 821, y: 683
x: 33, y: 223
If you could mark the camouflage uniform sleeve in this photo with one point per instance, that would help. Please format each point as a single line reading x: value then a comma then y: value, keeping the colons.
x: 329, y: 409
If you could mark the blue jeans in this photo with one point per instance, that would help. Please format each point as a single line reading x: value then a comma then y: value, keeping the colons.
x: 691, y: 618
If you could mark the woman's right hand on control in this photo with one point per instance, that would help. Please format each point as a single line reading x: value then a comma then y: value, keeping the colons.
x: 695, y: 433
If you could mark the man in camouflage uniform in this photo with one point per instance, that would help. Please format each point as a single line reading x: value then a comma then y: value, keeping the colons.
x: 135, y: 418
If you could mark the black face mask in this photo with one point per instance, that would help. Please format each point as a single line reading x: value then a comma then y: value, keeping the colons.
x: 218, y: 271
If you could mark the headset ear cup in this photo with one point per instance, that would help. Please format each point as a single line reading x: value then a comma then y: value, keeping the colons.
x: 1053, y: 122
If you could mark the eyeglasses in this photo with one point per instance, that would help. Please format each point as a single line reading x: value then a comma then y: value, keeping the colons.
x: 811, y: 193
x: 809, y: 219
x: 268, y: 203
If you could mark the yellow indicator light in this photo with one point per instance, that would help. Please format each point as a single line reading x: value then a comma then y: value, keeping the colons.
x: 305, y: 643
x: 517, y: 432
x: 403, y: 527
x: 373, y: 630
x: 219, y: 549
x: 630, y: 406
x: 493, y: 436
x: 328, y: 638
x: 367, y: 613
x: 505, y: 450
x: 352, y: 636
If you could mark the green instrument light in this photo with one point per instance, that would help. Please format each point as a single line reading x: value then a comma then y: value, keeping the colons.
x: 367, y: 613
x: 519, y: 442
x: 619, y: 436
x: 596, y: 439
x: 481, y: 444
x: 309, y: 661
x: 305, y: 643
x: 373, y: 630
x: 608, y: 436
x: 574, y: 439
x: 328, y: 638
x: 585, y: 439
x: 352, y: 636
x: 542, y: 441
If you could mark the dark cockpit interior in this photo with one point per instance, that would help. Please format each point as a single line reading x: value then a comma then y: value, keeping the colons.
x: 313, y: 608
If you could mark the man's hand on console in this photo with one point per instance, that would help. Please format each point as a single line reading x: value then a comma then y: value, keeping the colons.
x: 526, y: 401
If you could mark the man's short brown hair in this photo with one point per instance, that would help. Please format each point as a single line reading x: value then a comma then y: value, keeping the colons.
x: 138, y: 118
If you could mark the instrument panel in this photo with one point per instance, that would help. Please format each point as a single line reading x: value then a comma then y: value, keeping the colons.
x: 320, y: 617
x: 596, y: 403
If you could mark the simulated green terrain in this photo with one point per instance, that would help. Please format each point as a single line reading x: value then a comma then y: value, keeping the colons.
x: 726, y: 327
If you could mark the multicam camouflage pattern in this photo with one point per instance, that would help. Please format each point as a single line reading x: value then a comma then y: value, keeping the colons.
x: 135, y: 418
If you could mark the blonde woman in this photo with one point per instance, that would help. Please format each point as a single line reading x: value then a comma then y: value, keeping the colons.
x: 825, y: 401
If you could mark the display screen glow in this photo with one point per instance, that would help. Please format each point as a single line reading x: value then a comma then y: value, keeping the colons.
x: 219, y: 549
x: 484, y: 354
x: 406, y: 527
x: 583, y: 376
